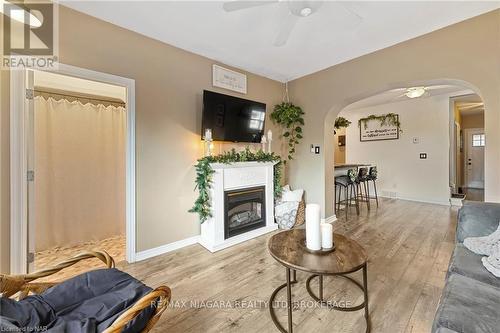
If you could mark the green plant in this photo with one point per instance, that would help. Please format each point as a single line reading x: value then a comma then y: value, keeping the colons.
x: 341, y: 122
x: 390, y: 119
x: 204, y: 173
x: 291, y: 118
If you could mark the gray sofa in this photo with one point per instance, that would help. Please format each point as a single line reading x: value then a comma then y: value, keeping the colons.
x: 470, y: 302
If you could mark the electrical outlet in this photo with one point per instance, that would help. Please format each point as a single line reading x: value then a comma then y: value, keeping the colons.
x: 316, y: 150
x: 423, y: 156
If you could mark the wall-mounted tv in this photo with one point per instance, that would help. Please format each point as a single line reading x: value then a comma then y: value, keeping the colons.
x: 232, y: 118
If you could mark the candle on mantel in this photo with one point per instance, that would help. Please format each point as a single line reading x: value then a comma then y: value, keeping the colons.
x: 208, y: 134
x: 263, y: 141
x: 326, y: 235
x: 313, y: 232
x: 269, y: 135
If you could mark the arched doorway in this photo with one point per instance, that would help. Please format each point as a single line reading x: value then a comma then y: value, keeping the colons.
x: 433, y: 188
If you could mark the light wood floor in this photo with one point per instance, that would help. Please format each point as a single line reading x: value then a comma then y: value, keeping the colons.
x: 409, y: 246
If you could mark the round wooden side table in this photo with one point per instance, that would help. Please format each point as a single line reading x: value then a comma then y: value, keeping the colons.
x: 289, y: 249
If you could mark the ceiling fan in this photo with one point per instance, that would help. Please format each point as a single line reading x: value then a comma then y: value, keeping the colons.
x: 416, y: 92
x: 292, y: 11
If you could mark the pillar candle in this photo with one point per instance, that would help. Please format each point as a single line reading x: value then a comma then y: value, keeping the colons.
x: 208, y: 134
x: 313, y: 232
x: 269, y: 136
x: 326, y: 235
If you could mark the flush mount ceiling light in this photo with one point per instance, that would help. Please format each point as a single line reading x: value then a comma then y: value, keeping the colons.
x: 19, y: 14
x: 306, y: 11
x: 415, y: 92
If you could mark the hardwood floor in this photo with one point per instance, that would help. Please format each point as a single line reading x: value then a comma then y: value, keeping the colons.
x: 409, y: 246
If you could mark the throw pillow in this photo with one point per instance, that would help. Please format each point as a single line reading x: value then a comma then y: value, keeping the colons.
x: 292, y: 196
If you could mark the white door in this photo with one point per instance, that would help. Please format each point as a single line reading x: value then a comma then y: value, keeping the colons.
x: 474, y: 158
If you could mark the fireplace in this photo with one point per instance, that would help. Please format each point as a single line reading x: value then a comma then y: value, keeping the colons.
x: 244, y: 210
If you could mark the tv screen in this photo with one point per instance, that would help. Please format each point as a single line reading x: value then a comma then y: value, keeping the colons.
x: 232, y: 118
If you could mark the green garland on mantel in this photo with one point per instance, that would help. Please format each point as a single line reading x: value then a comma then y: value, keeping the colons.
x: 390, y: 119
x: 204, y: 173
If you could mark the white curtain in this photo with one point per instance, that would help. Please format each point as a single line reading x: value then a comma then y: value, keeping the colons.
x: 79, y: 172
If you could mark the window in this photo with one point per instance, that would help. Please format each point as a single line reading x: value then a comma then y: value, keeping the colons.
x: 257, y: 120
x: 478, y: 140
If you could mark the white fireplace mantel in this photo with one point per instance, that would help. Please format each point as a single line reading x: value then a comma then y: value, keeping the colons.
x: 234, y: 176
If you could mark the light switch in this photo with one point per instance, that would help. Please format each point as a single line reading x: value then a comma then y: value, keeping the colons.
x: 416, y: 140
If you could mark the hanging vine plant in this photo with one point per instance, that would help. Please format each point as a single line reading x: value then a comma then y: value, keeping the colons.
x: 291, y: 118
x: 204, y: 175
x: 341, y: 122
x: 389, y: 119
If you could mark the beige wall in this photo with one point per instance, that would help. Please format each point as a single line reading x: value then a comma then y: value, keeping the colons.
x: 466, y: 54
x: 472, y: 121
x: 169, y: 84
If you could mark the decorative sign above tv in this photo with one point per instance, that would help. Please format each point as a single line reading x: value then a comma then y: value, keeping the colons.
x: 375, y: 128
x: 232, y: 119
x: 228, y: 79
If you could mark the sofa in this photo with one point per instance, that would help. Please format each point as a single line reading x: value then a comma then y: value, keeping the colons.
x: 470, y: 302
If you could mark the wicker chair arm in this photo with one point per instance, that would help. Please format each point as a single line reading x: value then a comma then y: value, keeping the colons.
x: 11, y: 284
x: 160, y: 297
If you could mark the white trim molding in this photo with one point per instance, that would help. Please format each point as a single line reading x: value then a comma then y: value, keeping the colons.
x: 19, y: 199
x: 329, y: 219
x: 156, y: 251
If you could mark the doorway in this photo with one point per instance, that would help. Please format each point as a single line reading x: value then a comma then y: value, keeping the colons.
x: 79, y: 134
x: 469, y: 146
x: 62, y: 198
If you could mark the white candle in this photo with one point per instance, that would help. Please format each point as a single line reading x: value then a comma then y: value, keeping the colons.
x: 326, y: 235
x: 269, y: 135
x: 313, y: 232
x: 208, y: 134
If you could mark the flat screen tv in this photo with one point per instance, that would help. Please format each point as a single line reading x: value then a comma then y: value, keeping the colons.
x: 232, y: 119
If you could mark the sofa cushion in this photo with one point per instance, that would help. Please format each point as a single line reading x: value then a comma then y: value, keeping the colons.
x: 468, y: 305
x: 477, y: 219
x: 89, y: 302
x: 467, y: 263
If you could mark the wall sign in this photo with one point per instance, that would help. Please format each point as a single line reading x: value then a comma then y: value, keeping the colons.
x: 228, y: 79
x: 374, y: 130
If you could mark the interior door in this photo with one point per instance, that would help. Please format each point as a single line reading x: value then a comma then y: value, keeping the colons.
x: 474, y: 159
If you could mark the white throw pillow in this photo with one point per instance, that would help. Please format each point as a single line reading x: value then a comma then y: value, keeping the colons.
x: 286, y: 188
x: 292, y: 196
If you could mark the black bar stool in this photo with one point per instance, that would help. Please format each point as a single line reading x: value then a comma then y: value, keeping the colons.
x: 362, y: 182
x: 348, y: 184
x: 372, y: 176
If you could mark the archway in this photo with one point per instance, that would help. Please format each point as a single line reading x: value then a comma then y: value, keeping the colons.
x: 335, y: 110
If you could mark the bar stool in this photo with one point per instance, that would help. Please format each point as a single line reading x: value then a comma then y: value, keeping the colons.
x: 349, y: 185
x: 372, y: 176
x: 362, y: 182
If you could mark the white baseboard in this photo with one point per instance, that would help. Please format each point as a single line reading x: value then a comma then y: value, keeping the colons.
x: 435, y: 202
x: 156, y: 251
x: 329, y: 219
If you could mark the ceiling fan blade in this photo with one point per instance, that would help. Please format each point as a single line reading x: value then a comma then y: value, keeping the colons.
x: 232, y: 6
x: 286, y: 29
x: 351, y: 16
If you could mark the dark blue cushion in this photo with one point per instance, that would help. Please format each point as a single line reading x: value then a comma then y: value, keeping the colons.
x: 89, y: 302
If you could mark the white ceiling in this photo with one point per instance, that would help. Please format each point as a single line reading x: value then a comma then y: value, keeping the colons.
x: 245, y: 38
x: 398, y: 95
